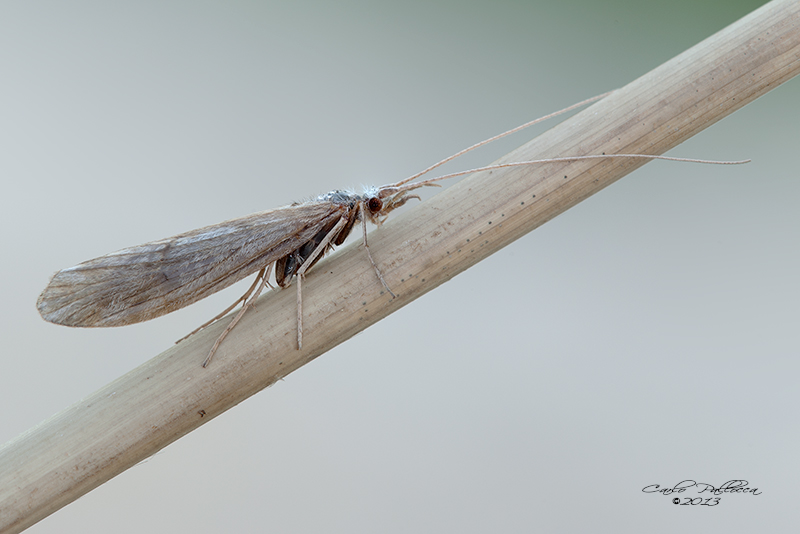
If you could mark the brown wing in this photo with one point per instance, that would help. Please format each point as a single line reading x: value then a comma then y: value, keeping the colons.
x: 146, y: 281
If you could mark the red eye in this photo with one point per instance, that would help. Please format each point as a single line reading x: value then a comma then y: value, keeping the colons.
x: 374, y: 204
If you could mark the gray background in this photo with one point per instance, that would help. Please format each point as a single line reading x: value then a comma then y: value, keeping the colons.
x: 649, y: 335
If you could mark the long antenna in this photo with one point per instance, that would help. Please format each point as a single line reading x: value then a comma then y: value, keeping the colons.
x: 576, y: 158
x: 496, y: 137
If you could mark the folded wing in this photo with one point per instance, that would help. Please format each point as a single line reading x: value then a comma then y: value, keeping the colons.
x: 146, y: 281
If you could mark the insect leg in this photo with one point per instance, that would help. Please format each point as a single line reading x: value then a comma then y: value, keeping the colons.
x: 243, y: 298
x: 263, y: 275
x: 330, y: 236
x: 369, y: 255
x: 299, y: 311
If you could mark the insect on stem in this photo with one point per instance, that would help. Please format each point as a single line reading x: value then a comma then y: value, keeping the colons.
x: 146, y: 281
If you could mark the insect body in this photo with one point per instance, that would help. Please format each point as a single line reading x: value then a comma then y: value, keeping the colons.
x: 373, y: 206
x: 146, y: 281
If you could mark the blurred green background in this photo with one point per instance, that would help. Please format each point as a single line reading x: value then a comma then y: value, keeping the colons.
x: 477, y: 407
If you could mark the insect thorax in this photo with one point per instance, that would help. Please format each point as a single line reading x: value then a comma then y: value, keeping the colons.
x: 344, y: 198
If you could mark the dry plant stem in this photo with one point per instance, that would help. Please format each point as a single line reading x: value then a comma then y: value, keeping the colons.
x: 170, y: 395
